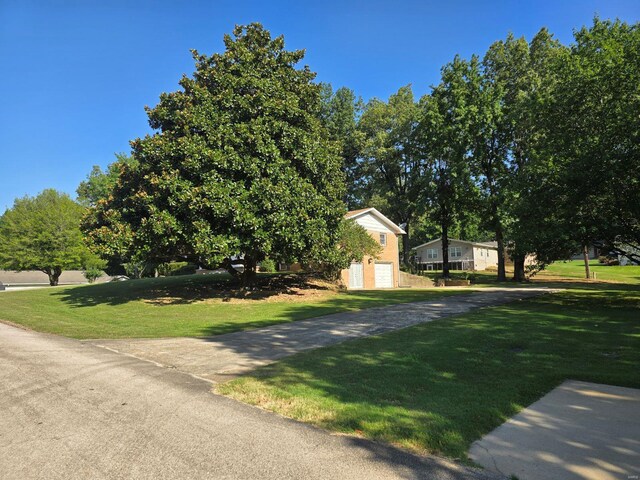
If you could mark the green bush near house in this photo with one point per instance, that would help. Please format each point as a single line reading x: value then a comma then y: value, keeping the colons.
x: 267, y: 265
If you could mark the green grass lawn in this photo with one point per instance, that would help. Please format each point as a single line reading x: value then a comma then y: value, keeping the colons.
x: 196, y: 305
x: 439, y: 386
x: 575, y: 269
x: 571, y: 269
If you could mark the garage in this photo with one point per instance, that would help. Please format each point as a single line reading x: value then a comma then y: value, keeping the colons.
x: 356, y: 276
x: 384, y: 275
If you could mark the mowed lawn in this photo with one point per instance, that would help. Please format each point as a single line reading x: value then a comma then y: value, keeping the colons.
x: 195, y: 305
x: 439, y: 386
x: 575, y: 269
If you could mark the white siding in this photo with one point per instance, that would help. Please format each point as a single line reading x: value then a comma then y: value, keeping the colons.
x: 466, y: 251
x: 485, y: 257
x: 369, y: 222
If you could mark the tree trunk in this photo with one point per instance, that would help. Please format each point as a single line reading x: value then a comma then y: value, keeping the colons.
x: 227, y: 265
x: 249, y: 275
x: 518, y: 267
x: 405, y: 246
x: 445, y: 250
x: 585, y: 254
x: 502, y: 274
x: 54, y: 275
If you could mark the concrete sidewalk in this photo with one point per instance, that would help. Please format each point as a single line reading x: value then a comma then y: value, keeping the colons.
x: 73, y: 411
x: 220, y: 358
x: 578, y: 431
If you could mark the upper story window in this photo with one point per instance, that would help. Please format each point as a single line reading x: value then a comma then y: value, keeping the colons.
x: 432, y: 253
x: 455, y: 252
x: 383, y: 239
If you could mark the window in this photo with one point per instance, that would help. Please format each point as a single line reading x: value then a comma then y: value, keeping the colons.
x: 432, y: 253
x: 383, y: 239
x: 481, y: 253
x: 455, y: 252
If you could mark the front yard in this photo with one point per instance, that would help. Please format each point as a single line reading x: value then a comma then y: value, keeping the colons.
x: 439, y: 386
x: 187, y: 306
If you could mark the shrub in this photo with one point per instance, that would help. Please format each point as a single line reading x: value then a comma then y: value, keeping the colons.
x: 93, y: 268
x: 92, y: 274
x: 174, y: 269
x: 267, y: 265
x: 139, y: 269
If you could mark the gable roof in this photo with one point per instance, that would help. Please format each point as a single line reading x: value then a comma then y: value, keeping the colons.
x: 492, y: 245
x: 353, y: 214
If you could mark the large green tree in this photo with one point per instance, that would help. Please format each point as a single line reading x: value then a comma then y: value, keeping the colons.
x: 522, y: 75
x: 340, y: 113
x: 594, y: 135
x: 391, y: 163
x: 443, y: 138
x: 43, y: 233
x: 240, y: 165
x: 490, y: 153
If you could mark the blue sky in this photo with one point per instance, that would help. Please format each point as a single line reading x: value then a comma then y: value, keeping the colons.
x: 77, y: 74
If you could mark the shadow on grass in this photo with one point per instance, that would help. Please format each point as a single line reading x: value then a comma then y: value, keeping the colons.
x: 439, y: 386
x: 182, y: 290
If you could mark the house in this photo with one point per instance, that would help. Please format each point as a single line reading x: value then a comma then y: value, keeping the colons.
x: 463, y: 255
x: 593, y: 252
x: 381, y: 272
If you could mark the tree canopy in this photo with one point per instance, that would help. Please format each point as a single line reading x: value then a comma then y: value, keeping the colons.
x: 240, y: 165
x: 43, y: 233
x: 100, y: 184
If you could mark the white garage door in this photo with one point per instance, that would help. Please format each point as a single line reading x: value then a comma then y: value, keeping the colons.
x: 384, y: 275
x: 356, y: 277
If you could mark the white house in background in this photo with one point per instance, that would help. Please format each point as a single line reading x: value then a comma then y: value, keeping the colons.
x: 463, y: 255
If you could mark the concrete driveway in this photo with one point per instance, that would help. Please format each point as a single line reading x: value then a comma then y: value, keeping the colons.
x: 223, y: 357
x: 70, y: 410
x: 578, y: 431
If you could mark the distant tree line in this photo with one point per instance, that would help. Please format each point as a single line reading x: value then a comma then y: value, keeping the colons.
x: 534, y: 145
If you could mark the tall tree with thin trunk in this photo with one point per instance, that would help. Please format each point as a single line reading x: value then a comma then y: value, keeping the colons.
x: 390, y: 161
x: 340, y: 113
x: 524, y: 75
x: 489, y: 153
x: 443, y: 141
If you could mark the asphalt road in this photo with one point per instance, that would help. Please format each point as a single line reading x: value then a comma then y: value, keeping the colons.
x: 70, y: 410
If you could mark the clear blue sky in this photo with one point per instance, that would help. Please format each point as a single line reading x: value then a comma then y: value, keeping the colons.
x: 76, y: 74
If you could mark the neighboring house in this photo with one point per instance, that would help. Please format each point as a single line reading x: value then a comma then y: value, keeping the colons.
x: 592, y: 250
x: 627, y: 254
x: 463, y: 255
x: 381, y: 272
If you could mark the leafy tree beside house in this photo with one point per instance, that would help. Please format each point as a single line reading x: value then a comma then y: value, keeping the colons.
x: 239, y: 164
x: 43, y: 233
x: 354, y: 243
